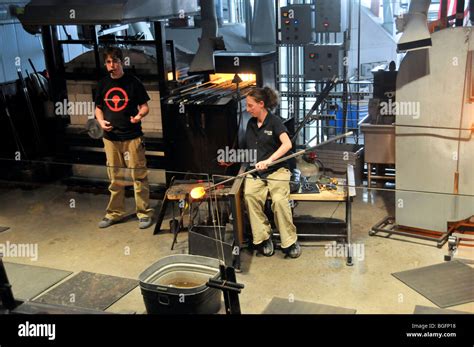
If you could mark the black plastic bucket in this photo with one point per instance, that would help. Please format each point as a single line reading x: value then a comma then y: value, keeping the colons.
x: 177, y: 285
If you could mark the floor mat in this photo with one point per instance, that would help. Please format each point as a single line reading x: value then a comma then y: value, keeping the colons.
x: 2, y: 229
x: 284, y: 306
x: 434, y: 310
x: 29, y: 281
x: 89, y: 290
x: 447, y: 284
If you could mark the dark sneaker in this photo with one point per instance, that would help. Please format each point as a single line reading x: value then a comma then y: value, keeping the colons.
x: 105, y: 223
x: 144, y: 223
x: 294, y: 251
x: 267, y: 248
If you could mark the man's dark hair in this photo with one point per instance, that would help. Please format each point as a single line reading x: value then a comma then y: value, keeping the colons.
x: 114, y: 52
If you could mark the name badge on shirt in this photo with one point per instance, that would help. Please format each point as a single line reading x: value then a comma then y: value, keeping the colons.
x: 268, y: 132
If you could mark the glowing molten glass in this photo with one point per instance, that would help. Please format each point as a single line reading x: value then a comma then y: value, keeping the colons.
x: 198, y: 192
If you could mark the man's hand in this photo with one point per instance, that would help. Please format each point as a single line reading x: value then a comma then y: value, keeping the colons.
x: 263, y: 165
x: 136, y: 119
x: 105, y: 125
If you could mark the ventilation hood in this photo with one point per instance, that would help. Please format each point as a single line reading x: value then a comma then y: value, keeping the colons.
x: 77, y: 12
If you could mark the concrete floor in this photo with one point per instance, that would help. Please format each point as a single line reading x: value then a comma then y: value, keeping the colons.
x: 64, y: 225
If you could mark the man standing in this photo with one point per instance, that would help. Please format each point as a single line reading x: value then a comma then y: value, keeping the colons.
x: 121, y: 104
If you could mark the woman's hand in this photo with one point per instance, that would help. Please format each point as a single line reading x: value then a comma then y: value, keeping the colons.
x: 263, y: 165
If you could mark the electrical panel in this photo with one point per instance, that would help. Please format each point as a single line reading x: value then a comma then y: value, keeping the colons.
x: 322, y: 61
x: 328, y: 16
x: 297, y: 24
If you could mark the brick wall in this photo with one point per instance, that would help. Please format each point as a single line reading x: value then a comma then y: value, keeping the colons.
x: 81, y: 91
x: 152, y: 122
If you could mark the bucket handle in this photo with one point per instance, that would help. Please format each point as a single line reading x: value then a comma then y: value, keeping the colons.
x: 164, y: 300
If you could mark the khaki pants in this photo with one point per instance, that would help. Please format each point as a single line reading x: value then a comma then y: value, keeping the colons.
x: 255, y: 194
x: 128, y: 154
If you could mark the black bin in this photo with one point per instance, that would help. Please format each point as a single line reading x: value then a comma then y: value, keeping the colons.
x: 177, y: 285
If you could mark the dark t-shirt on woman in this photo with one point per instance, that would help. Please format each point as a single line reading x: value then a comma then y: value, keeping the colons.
x: 266, y: 140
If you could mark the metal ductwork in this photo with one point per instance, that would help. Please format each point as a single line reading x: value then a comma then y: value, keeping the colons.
x: 83, y: 12
x: 414, y: 25
x: 203, y: 61
x: 388, y: 16
x: 142, y: 27
x: 263, y: 23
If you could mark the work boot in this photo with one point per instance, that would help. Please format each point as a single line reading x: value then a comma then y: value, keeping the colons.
x: 294, y: 251
x: 144, y: 222
x: 267, y: 247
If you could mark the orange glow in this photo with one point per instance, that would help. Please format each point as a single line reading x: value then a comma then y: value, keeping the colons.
x: 226, y: 77
x: 198, y: 193
x: 170, y: 75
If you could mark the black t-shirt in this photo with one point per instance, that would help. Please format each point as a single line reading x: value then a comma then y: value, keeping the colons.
x: 119, y: 100
x: 266, y: 140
